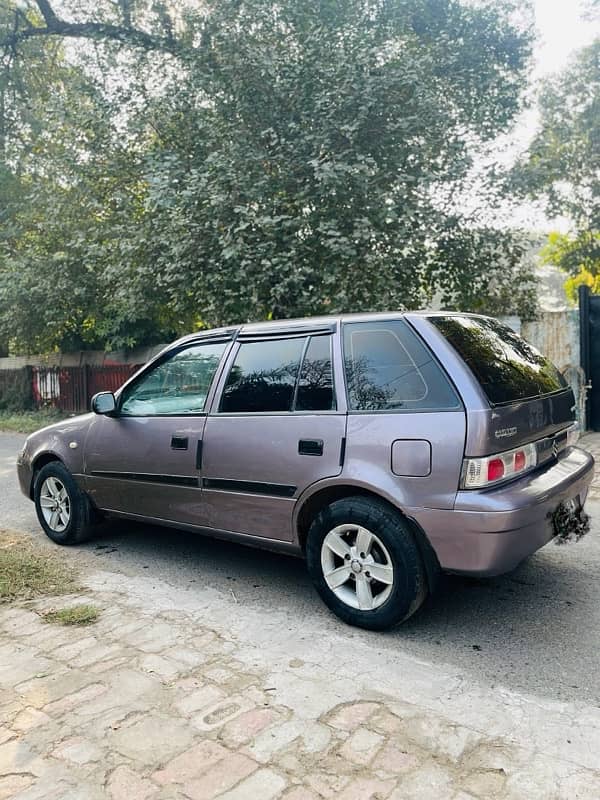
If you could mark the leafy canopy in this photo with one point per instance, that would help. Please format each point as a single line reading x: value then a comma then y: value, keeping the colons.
x: 199, y: 165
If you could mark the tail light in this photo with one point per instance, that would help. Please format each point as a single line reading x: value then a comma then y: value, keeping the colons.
x: 480, y: 472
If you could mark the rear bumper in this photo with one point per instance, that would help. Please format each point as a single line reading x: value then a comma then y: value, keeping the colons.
x: 491, y: 532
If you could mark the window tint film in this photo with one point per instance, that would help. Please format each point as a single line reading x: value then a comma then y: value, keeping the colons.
x: 263, y: 376
x: 506, y: 366
x: 315, y: 386
x: 388, y: 367
x: 177, y: 386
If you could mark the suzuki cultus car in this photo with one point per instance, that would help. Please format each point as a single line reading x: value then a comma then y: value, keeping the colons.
x: 382, y: 447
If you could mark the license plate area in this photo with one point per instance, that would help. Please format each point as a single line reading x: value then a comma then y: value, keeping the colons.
x: 569, y: 521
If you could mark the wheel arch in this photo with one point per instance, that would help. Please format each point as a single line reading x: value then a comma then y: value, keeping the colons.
x: 312, y: 505
x: 38, y: 463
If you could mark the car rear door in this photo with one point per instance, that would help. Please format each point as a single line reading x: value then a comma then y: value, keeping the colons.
x: 406, y: 422
x: 276, y: 428
x: 144, y: 460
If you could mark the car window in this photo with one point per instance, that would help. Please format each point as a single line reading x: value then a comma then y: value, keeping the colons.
x: 263, y: 376
x: 178, y: 385
x: 388, y: 367
x: 315, y: 384
x: 507, y: 367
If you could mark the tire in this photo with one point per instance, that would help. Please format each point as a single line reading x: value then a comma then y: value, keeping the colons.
x: 350, y: 542
x: 63, y: 510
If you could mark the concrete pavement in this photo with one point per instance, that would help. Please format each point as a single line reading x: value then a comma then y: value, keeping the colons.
x: 215, y: 672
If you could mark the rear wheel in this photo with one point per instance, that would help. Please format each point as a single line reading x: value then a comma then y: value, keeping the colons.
x: 63, y: 510
x: 365, y: 563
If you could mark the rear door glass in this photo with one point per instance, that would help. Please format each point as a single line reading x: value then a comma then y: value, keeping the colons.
x: 388, y: 367
x: 507, y: 367
x: 263, y: 377
x: 315, y: 385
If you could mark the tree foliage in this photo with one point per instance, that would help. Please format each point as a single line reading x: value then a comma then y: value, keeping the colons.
x: 562, y: 165
x: 185, y: 166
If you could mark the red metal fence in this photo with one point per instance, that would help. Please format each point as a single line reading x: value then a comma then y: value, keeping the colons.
x: 71, y: 388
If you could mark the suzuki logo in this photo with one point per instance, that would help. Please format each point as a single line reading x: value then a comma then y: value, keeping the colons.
x: 555, y: 448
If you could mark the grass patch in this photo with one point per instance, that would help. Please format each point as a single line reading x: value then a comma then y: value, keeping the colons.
x: 26, y: 573
x: 81, y: 614
x: 29, y: 421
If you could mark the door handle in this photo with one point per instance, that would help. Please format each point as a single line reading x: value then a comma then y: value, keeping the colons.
x: 310, y: 447
x: 179, y: 443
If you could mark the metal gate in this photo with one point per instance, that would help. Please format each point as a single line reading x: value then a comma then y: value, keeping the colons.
x: 589, y: 329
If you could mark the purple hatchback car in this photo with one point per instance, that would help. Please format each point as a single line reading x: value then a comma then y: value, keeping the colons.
x: 382, y: 447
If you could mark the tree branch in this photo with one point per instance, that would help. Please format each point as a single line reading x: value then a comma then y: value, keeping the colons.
x: 88, y: 30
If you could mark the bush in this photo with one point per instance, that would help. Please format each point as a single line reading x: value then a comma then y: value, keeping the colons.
x: 16, y: 390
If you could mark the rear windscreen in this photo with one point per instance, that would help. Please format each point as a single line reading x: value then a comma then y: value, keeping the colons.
x: 506, y: 366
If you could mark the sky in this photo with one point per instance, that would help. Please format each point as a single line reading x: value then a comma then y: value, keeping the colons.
x: 562, y: 30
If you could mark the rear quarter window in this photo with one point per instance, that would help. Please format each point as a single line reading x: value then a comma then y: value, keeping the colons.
x: 506, y: 366
x: 389, y: 368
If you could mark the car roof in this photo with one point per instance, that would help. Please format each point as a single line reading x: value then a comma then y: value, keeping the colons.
x: 306, y: 324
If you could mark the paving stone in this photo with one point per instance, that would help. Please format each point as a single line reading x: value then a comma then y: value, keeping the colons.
x: 314, y: 737
x: 5, y: 734
x: 372, y: 789
x: 386, y: 722
x: 18, y: 664
x: 427, y: 781
x: 44, y: 688
x: 71, y: 701
x: 70, y: 652
x: 219, y: 675
x: 220, y: 777
x: 247, y: 725
x: 77, y: 750
x: 436, y: 735
x: 261, y: 785
x: 362, y: 746
x: 17, y: 756
x: 94, y: 655
x: 125, y: 784
x: 327, y: 785
x: 300, y: 793
x: 350, y: 717
x: 152, y: 739
x: 10, y: 785
x: 393, y: 760
x: 29, y: 718
x: 485, y: 783
x: 199, y: 699
x: 191, y: 763
x: 185, y: 655
x: 109, y: 666
x: 163, y: 667
x: 218, y: 714
x: 126, y: 686
x: 152, y: 638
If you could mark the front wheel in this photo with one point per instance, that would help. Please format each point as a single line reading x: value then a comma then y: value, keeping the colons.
x: 63, y: 510
x: 365, y: 563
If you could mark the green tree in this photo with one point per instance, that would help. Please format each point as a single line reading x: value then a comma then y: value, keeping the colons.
x: 249, y: 160
x: 562, y: 165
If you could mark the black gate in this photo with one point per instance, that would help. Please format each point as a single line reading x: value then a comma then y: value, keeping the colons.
x: 589, y: 331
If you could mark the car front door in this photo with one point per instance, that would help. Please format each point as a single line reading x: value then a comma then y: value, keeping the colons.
x: 144, y: 460
x: 276, y: 427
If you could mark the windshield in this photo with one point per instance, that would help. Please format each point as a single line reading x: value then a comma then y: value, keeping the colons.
x: 506, y: 366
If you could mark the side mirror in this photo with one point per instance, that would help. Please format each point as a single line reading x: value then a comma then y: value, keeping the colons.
x: 104, y: 403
